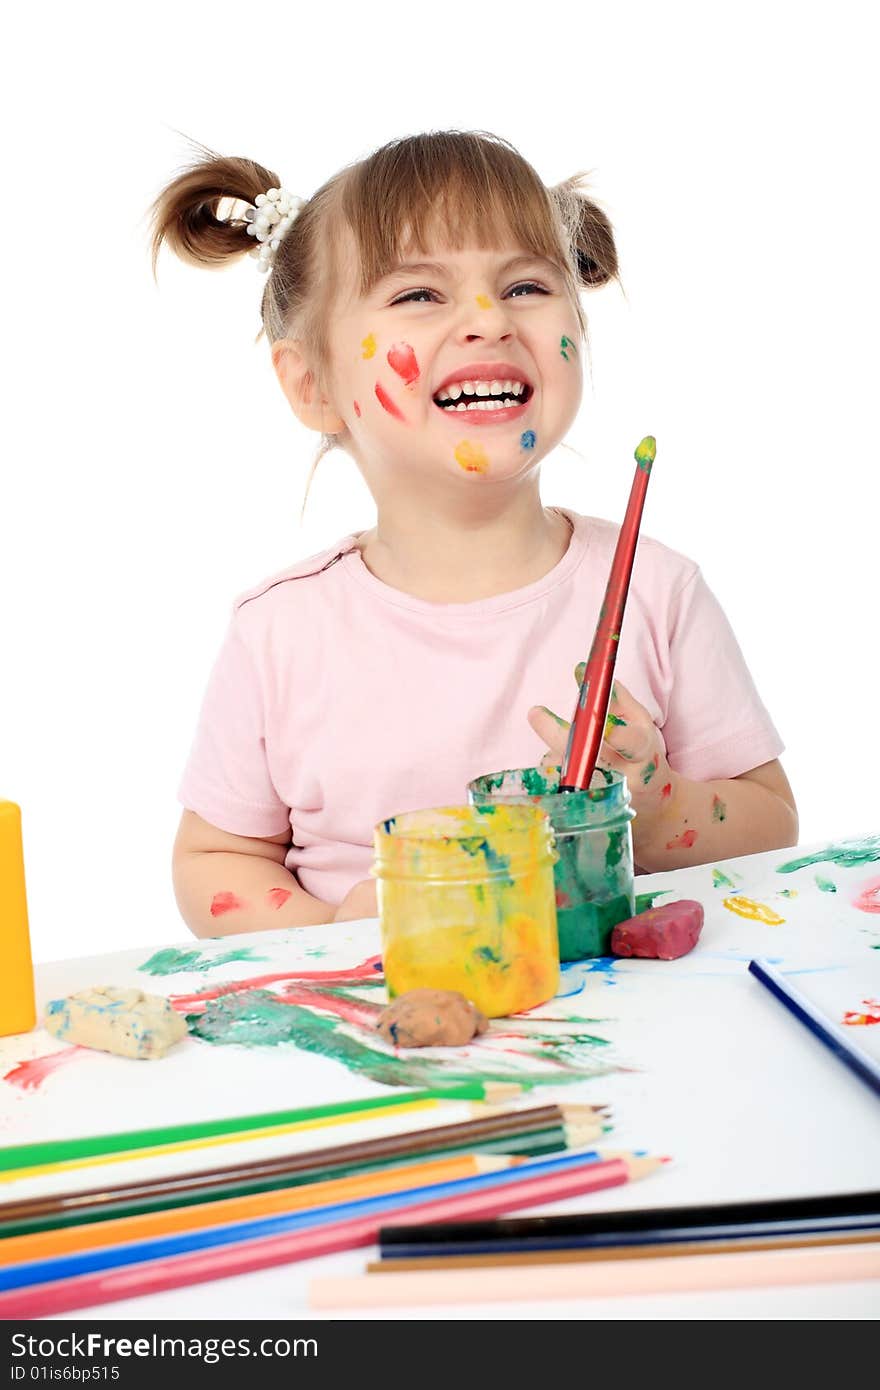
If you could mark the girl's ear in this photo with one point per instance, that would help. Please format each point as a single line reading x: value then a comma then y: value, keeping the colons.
x: 297, y: 381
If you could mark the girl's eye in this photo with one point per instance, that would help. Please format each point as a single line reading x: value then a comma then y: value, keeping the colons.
x: 414, y: 297
x: 527, y: 286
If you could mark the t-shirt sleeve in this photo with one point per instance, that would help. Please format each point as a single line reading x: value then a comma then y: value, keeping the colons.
x: 716, y: 724
x: 227, y: 779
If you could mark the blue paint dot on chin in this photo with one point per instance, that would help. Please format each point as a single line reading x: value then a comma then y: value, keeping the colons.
x: 527, y: 439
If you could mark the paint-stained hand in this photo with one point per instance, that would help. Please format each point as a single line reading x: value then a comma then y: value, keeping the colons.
x: 359, y: 901
x: 632, y: 743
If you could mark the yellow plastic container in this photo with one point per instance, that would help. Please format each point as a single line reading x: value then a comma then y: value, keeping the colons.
x: 18, y: 1012
x: 466, y: 902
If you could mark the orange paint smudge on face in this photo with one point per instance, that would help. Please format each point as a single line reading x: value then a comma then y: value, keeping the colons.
x: 357, y: 410
x: 369, y: 346
x: 387, y: 403
x: 471, y: 457
x: 402, y: 360
x: 866, y: 1019
x: 277, y: 897
x: 683, y: 841
x: 755, y: 912
x: 225, y: 902
x: 483, y: 301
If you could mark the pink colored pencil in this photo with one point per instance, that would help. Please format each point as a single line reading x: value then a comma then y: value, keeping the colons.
x: 89, y: 1290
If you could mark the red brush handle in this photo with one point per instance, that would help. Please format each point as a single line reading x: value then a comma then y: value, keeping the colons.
x: 588, y: 724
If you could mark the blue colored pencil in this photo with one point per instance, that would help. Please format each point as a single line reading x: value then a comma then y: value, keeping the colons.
x: 137, y: 1252
x: 827, y: 1032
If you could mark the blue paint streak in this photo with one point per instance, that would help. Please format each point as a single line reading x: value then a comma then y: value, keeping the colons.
x: 527, y: 439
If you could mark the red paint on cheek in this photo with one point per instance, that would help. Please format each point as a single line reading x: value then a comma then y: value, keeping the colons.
x: 277, y: 897
x: 667, y: 791
x: 683, y: 841
x: 357, y: 410
x: 387, y: 403
x: 224, y: 902
x: 402, y: 360
x: 868, y: 897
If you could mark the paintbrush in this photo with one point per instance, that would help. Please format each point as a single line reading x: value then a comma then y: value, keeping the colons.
x: 591, y: 711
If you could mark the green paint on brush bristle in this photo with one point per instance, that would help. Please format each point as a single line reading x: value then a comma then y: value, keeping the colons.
x: 646, y: 452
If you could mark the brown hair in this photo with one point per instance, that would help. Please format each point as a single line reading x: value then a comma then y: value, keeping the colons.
x: 476, y: 184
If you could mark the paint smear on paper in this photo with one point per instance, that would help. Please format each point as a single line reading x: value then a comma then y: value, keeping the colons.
x: 527, y: 439
x: 867, y: 899
x: 721, y: 880
x: 756, y: 912
x: 369, y: 972
x: 28, y: 1076
x: 846, y: 854
x: 719, y: 810
x: 685, y: 840
x: 225, y: 902
x: 277, y: 897
x: 471, y: 457
x: 825, y: 885
x: 402, y: 360
x: 483, y: 301
x: 871, y: 1016
x: 175, y: 961
x: 369, y: 346
x: 789, y: 893
x: 387, y: 403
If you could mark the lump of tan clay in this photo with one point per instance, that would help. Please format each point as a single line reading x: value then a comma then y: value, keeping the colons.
x: 661, y: 933
x: 431, y: 1018
x: 125, y: 1021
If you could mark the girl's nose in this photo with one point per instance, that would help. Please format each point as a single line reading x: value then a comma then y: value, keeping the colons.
x: 485, y: 320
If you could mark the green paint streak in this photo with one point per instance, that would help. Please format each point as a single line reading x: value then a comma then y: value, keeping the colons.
x: 485, y: 953
x: 256, y: 1018
x: 825, y: 885
x: 788, y: 893
x: 846, y: 854
x: 557, y: 719
x: 534, y: 782
x: 720, y: 880
x: 176, y: 961
x: 719, y: 810
x: 616, y: 720
x: 645, y: 901
x: 615, y: 848
x: 566, y: 346
x: 496, y: 863
x: 649, y: 770
x: 646, y: 452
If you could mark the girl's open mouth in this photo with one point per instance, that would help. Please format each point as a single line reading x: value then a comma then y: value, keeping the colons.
x: 484, y: 402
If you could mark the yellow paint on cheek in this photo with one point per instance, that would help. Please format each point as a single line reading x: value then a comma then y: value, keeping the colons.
x: 471, y: 457
x: 483, y: 301
x: 369, y: 346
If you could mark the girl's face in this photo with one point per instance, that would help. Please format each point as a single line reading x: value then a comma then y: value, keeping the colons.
x: 463, y: 363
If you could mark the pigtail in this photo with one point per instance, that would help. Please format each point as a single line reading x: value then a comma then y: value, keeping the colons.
x: 200, y: 214
x: 590, y: 233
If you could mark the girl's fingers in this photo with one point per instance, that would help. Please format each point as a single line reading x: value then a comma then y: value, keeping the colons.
x: 549, y: 727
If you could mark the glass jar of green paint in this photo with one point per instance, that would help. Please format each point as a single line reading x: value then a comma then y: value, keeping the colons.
x: 593, y: 876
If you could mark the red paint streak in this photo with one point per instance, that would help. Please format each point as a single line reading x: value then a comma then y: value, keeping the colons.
x: 370, y: 969
x: 402, y: 360
x: 387, y: 403
x: 29, y: 1075
x: 224, y: 902
x: 357, y: 410
x: 872, y: 1016
x: 667, y: 791
x: 277, y: 897
x: 358, y: 1011
x: 683, y: 841
x: 868, y: 897
x: 562, y: 899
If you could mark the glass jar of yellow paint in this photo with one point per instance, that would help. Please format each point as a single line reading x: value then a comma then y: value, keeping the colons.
x: 466, y: 902
x: 594, y: 866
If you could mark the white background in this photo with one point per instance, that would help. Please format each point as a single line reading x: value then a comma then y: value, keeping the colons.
x: 151, y: 468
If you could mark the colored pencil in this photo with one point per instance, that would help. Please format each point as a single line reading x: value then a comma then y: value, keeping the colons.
x: 491, y: 1132
x: 165, y: 1247
x: 821, y: 1027
x: 703, y: 1273
x: 588, y: 724
x: 16, y: 1156
x: 92, y: 1290
x: 65, y: 1240
x: 777, y: 1216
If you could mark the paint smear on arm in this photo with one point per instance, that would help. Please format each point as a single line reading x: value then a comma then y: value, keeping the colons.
x: 225, y: 902
x: 277, y: 897
x: 685, y: 840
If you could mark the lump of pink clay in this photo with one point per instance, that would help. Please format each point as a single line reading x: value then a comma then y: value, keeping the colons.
x: 431, y: 1018
x: 661, y: 933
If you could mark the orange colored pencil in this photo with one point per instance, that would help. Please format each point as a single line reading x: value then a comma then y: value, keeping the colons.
x: 70, y: 1239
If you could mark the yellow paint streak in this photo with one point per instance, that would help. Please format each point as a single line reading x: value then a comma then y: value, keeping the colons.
x: 756, y: 912
x: 471, y: 457
x: 369, y: 345
x: 484, y: 301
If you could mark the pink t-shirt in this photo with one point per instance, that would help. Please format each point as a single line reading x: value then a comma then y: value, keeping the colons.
x: 337, y: 701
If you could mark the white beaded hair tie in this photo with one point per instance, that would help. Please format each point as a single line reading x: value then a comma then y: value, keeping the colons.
x: 269, y: 220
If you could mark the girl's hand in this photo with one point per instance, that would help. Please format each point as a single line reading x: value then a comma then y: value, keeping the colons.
x: 359, y: 901
x: 632, y: 745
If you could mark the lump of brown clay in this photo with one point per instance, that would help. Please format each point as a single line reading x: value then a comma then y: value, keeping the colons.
x: 431, y: 1018
x: 661, y: 933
